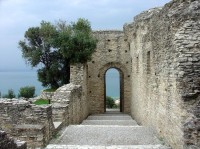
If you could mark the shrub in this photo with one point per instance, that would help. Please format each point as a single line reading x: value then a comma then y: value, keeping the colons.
x: 10, y: 94
x: 27, y: 92
x: 115, y: 106
x: 109, y: 102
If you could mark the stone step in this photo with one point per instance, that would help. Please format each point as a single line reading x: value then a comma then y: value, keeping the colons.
x: 107, y: 135
x: 111, y: 114
x: 103, y: 117
x: 107, y: 147
x: 110, y: 122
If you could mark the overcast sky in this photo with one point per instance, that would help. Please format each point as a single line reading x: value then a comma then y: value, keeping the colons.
x: 16, y: 16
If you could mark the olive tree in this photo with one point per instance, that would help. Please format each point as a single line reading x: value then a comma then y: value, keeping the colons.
x: 53, y: 47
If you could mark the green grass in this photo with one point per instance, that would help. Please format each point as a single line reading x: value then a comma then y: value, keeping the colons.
x: 41, y: 102
x: 50, y: 90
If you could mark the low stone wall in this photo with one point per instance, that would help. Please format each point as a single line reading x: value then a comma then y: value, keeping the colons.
x: 46, y: 95
x: 34, y: 124
x: 27, y: 122
x: 9, y: 143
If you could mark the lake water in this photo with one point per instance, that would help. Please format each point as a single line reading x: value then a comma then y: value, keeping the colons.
x: 15, y: 80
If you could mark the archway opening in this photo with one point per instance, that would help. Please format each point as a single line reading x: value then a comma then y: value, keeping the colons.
x: 113, y: 90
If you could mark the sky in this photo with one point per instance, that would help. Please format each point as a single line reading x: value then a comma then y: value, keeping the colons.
x: 16, y: 16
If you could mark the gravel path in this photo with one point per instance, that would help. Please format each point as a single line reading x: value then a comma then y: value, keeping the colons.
x: 107, y: 135
x: 107, y: 131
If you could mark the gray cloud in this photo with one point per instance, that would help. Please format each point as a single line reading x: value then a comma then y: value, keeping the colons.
x: 16, y: 16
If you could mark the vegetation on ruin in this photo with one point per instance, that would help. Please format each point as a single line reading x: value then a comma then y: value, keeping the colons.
x: 41, y: 102
x: 53, y: 47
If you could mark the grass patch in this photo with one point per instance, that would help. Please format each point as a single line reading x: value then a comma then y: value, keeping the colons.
x: 41, y: 102
x: 50, y: 90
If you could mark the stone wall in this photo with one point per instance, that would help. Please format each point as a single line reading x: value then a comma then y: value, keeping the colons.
x: 9, y: 143
x: 112, y: 52
x: 187, y: 41
x: 165, y: 51
x: 78, y: 76
x: 35, y: 124
x: 68, y: 105
x: 26, y: 122
x: 46, y: 95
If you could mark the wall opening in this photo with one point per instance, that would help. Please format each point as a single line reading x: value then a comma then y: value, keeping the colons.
x: 113, y: 90
x: 137, y: 65
x: 148, y: 62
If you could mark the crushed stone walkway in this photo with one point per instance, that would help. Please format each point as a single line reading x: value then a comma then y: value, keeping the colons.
x: 107, y: 131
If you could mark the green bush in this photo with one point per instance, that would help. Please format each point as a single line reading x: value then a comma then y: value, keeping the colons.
x: 109, y: 102
x: 41, y: 102
x: 115, y: 106
x: 27, y: 92
x: 10, y: 94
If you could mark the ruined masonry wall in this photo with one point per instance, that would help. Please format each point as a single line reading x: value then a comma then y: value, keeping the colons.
x: 34, y: 124
x: 78, y: 76
x: 165, y: 51
x: 68, y: 104
x: 9, y: 143
x: 26, y: 122
x: 112, y: 52
x: 46, y: 95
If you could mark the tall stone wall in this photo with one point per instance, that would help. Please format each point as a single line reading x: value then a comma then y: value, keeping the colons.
x: 112, y: 52
x: 165, y: 51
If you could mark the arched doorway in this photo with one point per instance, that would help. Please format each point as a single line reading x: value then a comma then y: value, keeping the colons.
x: 98, y: 90
x: 113, y: 87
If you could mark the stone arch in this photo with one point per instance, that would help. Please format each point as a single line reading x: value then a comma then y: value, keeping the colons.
x: 124, y: 77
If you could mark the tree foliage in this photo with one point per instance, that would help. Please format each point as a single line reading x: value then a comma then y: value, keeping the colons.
x: 54, y: 47
x: 109, y: 102
x: 10, y: 94
x: 27, y: 92
x: 76, y: 41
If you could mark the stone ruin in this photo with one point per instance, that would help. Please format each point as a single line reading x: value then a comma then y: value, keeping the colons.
x: 37, y: 125
x: 158, y: 59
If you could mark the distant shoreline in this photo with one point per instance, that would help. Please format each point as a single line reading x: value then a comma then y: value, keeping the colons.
x: 17, y: 78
